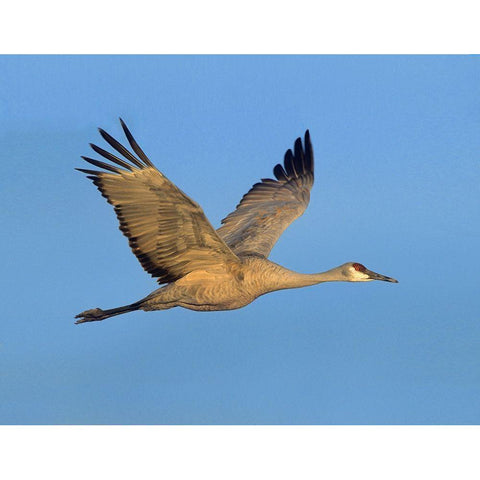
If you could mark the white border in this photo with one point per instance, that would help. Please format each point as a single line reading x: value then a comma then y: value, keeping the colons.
x: 216, y: 26
x: 245, y: 452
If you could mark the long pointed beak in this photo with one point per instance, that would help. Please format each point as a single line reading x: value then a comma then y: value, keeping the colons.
x: 378, y: 276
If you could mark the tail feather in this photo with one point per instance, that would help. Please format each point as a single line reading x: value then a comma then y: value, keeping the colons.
x: 97, y: 314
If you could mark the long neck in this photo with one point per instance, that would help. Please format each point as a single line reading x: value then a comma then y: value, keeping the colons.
x: 292, y: 279
x: 263, y: 276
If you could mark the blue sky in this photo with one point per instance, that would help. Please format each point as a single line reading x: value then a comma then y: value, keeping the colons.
x: 397, y: 188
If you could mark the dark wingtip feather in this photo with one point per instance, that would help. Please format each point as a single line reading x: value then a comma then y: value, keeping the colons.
x: 280, y: 173
x: 88, y: 172
x: 120, y: 148
x: 135, y: 145
x: 309, y: 163
x: 289, y: 162
x: 299, y: 157
x: 102, y: 132
x: 111, y: 157
x: 296, y: 163
x: 298, y: 148
x: 103, y: 165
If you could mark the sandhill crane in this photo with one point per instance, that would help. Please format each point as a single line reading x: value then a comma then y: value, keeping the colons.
x: 203, y: 268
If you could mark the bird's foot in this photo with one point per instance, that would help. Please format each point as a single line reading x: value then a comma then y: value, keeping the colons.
x: 93, y: 315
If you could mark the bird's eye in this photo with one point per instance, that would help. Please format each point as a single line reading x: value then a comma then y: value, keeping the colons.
x: 358, y: 267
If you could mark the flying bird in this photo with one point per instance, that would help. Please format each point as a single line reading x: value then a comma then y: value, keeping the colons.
x: 198, y: 267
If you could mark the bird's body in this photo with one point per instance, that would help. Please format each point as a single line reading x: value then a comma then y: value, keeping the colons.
x: 222, y: 289
x: 205, y: 269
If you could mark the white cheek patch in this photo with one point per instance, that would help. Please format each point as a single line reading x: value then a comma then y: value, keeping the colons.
x: 360, y: 276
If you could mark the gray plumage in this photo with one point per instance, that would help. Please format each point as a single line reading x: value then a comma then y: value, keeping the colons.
x: 203, y: 268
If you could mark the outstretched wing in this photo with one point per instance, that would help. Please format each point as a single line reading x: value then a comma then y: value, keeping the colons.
x: 271, y: 205
x: 166, y: 230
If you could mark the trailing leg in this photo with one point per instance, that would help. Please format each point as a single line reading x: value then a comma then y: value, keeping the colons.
x: 96, y: 314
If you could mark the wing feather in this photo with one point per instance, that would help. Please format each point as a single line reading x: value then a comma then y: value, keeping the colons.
x: 271, y: 205
x: 167, y: 231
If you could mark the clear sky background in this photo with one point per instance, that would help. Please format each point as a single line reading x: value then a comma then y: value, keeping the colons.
x: 397, y: 145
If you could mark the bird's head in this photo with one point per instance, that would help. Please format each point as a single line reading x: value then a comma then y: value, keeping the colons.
x: 356, y: 272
